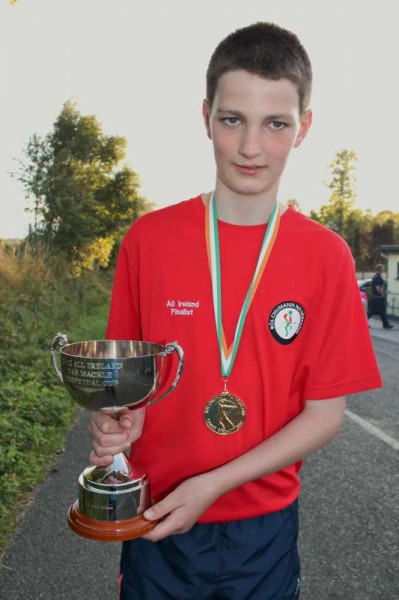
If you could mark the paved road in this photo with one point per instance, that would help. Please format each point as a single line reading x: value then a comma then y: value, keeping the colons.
x: 349, y: 513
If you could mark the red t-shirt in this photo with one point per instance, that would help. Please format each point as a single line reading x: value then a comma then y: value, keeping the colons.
x: 305, y: 338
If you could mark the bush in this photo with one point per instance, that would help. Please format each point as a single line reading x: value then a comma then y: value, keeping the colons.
x: 39, y: 296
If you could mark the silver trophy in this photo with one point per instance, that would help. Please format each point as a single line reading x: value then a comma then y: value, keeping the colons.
x: 114, y: 376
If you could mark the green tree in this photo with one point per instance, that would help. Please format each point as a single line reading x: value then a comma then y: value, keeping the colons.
x: 337, y: 213
x: 295, y: 204
x: 363, y: 231
x: 82, y: 192
x: 392, y: 219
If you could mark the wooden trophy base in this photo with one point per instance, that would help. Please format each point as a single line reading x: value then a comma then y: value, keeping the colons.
x: 107, y: 531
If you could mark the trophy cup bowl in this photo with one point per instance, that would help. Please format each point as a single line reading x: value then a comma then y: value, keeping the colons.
x: 114, y: 376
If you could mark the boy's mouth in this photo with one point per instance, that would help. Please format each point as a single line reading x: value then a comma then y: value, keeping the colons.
x: 249, y: 169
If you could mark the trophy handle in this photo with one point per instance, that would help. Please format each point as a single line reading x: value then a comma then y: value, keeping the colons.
x: 169, y: 349
x: 59, y: 340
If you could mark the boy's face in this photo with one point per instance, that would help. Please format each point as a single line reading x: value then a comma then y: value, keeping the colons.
x: 253, y: 123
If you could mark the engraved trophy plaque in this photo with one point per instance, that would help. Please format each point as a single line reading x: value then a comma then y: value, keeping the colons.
x: 113, y: 376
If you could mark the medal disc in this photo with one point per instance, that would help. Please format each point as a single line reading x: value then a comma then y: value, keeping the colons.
x: 225, y: 413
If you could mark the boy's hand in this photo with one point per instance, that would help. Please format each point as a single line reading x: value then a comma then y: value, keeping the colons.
x: 111, y: 435
x: 181, y: 509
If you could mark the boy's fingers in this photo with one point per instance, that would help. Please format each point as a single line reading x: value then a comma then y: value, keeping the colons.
x: 159, y: 510
x: 103, y: 423
x: 162, y: 530
x: 100, y: 461
x: 107, y: 439
x: 171, y: 525
x: 131, y: 418
x: 111, y: 436
x: 127, y: 420
x: 113, y: 446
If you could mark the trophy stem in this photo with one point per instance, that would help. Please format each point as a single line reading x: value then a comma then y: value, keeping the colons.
x: 119, y: 471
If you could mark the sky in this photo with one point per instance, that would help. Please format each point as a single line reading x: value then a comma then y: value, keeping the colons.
x: 140, y: 68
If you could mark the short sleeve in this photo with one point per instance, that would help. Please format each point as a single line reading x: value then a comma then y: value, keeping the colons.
x: 124, y: 316
x: 346, y: 361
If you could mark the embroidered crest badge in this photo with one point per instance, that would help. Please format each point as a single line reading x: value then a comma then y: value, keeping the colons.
x: 286, y: 321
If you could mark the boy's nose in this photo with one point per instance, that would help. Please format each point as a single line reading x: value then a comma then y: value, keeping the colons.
x: 250, y: 143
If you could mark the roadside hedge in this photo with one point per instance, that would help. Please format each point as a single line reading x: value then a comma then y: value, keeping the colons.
x: 39, y: 296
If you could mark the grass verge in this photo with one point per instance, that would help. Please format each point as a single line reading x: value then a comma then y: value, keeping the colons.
x: 38, y: 298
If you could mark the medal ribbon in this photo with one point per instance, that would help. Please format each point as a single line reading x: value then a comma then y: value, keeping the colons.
x: 228, y: 354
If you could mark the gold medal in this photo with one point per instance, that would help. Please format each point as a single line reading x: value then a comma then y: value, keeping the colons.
x: 225, y: 413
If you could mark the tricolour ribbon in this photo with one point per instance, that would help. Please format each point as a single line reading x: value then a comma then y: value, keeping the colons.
x: 228, y: 354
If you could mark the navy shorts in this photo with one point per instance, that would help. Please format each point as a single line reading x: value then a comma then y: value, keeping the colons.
x: 250, y: 559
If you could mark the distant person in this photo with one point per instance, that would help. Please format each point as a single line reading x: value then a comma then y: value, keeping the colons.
x: 378, y: 303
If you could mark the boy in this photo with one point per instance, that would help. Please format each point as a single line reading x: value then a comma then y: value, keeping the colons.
x: 270, y: 349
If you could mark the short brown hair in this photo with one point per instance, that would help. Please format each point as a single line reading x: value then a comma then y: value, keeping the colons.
x: 264, y: 49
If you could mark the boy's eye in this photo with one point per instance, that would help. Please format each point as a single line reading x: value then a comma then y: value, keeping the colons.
x: 277, y: 125
x: 230, y: 120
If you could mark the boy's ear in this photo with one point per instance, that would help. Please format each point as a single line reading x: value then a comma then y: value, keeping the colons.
x: 206, y: 117
x: 306, y: 121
